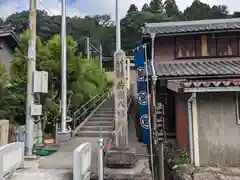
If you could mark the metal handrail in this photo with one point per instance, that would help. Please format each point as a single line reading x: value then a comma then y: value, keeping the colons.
x: 82, y: 112
x: 85, y: 104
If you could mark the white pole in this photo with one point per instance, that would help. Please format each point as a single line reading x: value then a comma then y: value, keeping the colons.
x: 149, y: 114
x: 101, y: 57
x: 100, y: 160
x: 31, y: 69
x: 118, y: 28
x: 88, y: 48
x: 64, y: 69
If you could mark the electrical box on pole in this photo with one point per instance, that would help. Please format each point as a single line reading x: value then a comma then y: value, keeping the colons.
x: 40, y: 83
x: 36, y: 110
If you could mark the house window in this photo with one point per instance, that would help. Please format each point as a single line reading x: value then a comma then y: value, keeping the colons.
x: 227, y: 46
x: 212, y: 46
x: 207, y: 45
x: 238, y: 107
x: 185, y: 46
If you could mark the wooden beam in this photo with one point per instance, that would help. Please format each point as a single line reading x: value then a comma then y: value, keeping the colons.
x: 204, y: 45
x: 173, y: 85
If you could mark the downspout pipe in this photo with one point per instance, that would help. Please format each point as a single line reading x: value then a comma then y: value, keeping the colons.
x: 152, y: 59
x: 154, y: 79
x: 190, y: 125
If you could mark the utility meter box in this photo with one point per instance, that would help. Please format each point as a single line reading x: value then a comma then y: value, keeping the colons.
x: 36, y: 110
x: 40, y: 83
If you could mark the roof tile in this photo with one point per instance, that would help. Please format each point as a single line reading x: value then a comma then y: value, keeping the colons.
x: 189, y: 68
x: 191, y: 26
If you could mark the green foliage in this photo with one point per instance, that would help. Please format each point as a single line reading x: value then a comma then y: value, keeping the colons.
x: 156, y: 6
x: 145, y: 7
x: 184, y: 157
x: 85, y: 78
x: 101, y: 29
x: 132, y: 8
x: 172, y: 10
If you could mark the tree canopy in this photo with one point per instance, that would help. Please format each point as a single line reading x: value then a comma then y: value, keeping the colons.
x: 85, y: 78
x: 101, y: 28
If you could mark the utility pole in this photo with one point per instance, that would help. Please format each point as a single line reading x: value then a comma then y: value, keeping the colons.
x: 63, y: 69
x: 31, y: 69
x: 118, y: 28
x: 158, y: 150
x: 101, y: 56
x: 88, y: 48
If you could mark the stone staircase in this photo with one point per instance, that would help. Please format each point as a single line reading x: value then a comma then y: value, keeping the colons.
x: 103, y: 118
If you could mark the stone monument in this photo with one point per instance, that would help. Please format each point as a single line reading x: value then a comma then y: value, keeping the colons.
x: 121, y: 155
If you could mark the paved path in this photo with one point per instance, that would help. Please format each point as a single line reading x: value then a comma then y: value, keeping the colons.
x: 63, y: 158
x: 58, y: 166
x: 31, y: 171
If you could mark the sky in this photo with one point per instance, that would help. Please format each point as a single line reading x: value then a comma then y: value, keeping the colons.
x: 91, y: 7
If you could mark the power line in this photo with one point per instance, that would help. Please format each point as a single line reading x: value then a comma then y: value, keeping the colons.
x: 49, y: 11
x: 45, y: 7
x: 92, y: 47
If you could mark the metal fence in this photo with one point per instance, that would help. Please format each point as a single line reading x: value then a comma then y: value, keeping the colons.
x: 81, y: 113
x: 11, y: 158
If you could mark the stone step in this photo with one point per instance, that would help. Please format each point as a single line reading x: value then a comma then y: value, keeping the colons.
x: 103, y: 116
x: 110, y: 107
x: 94, y: 133
x: 99, y: 123
x: 97, y: 118
x: 96, y: 128
x: 106, y: 110
x: 104, y: 113
x: 96, y: 121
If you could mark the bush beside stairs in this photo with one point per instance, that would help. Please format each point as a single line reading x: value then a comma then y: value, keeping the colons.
x: 102, y: 118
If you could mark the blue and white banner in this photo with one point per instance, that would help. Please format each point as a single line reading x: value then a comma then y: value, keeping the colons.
x: 139, y: 59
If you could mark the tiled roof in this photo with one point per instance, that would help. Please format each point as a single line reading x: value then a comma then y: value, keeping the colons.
x: 190, y: 68
x: 191, y: 26
x: 8, y: 30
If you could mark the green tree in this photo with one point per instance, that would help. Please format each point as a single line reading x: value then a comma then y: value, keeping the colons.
x: 197, y: 11
x: 145, y: 7
x: 236, y: 14
x: 85, y: 78
x: 219, y: 11
x: 156, y: 6
x: 132, y: 8
x: 172, y: 10
x: 81, y: 27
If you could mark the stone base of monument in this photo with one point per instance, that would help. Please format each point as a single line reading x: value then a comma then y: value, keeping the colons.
x: 121, y: 158
x: 63, y: 137
x: 140, y: 172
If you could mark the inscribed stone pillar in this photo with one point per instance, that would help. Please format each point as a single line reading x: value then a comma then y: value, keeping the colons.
x: 120, y: 95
